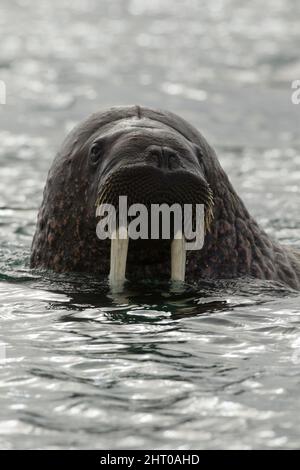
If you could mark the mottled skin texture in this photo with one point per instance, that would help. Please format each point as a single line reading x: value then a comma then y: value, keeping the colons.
x: 65, y: 238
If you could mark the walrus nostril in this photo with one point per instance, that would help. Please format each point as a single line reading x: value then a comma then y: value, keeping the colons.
x: 163, y: 157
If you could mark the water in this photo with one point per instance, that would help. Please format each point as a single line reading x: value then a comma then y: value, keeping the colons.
x: 215, y: 365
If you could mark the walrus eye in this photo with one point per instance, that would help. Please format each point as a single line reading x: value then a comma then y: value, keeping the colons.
x: 95, y: 153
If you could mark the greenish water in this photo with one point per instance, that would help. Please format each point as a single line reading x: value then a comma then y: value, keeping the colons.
x: 211, y: 366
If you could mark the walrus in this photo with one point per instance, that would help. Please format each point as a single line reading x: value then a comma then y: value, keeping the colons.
x: 151, y: 156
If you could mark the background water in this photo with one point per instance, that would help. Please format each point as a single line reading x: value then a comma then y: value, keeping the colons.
x: 212, y: 367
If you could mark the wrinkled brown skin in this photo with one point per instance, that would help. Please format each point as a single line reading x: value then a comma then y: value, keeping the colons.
x: 65, y: 238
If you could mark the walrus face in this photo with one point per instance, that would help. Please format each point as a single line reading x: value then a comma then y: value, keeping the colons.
x: 149, y: 163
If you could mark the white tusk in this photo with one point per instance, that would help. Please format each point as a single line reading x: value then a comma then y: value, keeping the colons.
x: 178, y: 258
x: 118, y: 257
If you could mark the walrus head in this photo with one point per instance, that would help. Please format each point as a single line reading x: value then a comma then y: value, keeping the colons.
x: 152, y: 157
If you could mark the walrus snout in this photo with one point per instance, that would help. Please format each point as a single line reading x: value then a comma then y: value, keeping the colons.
x: 163, y: 157
x: 151, y: 185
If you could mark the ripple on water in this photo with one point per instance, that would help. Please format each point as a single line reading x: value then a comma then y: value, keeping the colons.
x: 134, y: 375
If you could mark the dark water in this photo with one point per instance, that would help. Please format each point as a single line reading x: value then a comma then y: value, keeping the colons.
x: 213, y: 366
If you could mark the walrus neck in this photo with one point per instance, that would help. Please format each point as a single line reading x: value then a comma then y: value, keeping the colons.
x: 237, y: 246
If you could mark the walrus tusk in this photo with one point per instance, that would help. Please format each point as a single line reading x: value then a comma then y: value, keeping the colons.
x: 178, y: 258
x: 118, y: 257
